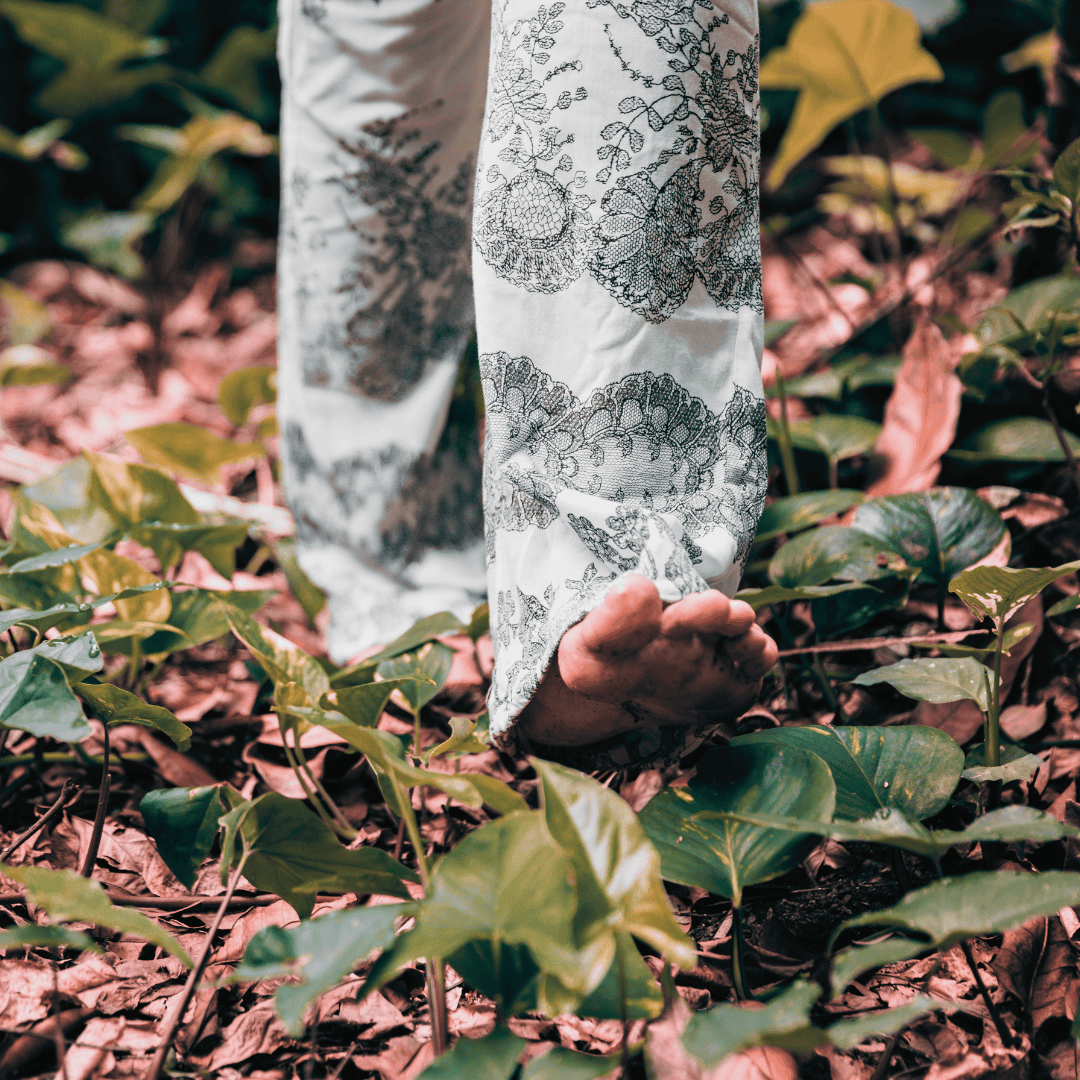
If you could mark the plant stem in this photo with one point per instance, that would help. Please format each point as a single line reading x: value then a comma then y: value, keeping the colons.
x: 344, y: 829
x: 58, y: 1031
x: 992, y: 748
x: 177, y: 1017
x: 309, y: 793
x: 839, y: 716
x: 624, y: 1043
x: 787, y: 451
x: 40, y: 824
x: 102, y: 808
x: 738, y: 966
x: 1003, y: 1032
x: 59, y: 756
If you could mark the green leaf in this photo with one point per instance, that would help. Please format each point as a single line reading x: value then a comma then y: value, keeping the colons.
x: 847, y: 1034
x: 794, y: 513
x: 1021, y: 439
x: 1067, y: 172
x: 109, y: 238
x: 849, y: 964
x: 364, y: 704
x: 30, y: 936
x: 218, y: 543
x: 190, y: 450
x: 24, y: 319
x: 635, y: 994
x: 780, y: 594
x: 427, y: 629
x: 421, y: 674
x: 134, y: 494
x: 461, y: 741
x: 952, y: 910
x: 233, y: 70
x: 950, y: 147
x: 616, y: 867
x: 291, y: 853
x: 199, y: 617
x: 842, y: 57
x: 562, y: 1064
x: 912, y: 769
x: 833, y: 553
x: 1010, y: 638
x: 35, y: 697
x: 59, y: 557
x: 67, y: 897
x: 282, y: 665
x: 940, y: 680
x: 312, y: 598
x: 29, y: 365
x: 723, y: 856
x: 728, y: 1029
x: 321, y: 951
x: 108, y: 572
x: 998, y: 592
x: 116, y: 706
x: 500, y: 908
x: 837, y: 437
x: 1028, y: 308
x: 66, y: 492
x: 184, y: 825
x: 1016, y: 764
x: 493, y: 1057
x: 76, y: 656
x: 941, y: 531
x: 1063, y: 607
x: 243, y: 389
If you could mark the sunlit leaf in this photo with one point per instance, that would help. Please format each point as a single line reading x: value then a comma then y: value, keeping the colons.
x: 23, y: 319
x: 184, y: 824
x: 725, y: 857
x: 29, y: 365
x: 433, y: 661
x: 67, y: 897
x: 190, y: 450
x: 914, y: 769
x: 794, y: 513
x: 842, y: 56
x: 116, y: 706
x: 1016, y: 764
x: 322, y: 951
x: 949, y: 911
x: 291, y: 853
x: 242, y: 390
x: 998, y: 592
x: 942, y: 531
x: 427, y: 629
x: 833, y: 553
x: 940, y: 680
x: 108, y: 572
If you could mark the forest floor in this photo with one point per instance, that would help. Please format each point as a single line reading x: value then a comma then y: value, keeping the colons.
x: 112, y: 1005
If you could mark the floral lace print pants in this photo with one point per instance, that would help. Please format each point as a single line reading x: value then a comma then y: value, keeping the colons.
x: 599, y: 173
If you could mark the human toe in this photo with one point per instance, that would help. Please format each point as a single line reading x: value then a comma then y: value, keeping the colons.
x: 755, y: 652
x: 627, y: 620
x: 707, y: 613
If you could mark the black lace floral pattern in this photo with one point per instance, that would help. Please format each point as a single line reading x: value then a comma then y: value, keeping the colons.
x: 644, y: 443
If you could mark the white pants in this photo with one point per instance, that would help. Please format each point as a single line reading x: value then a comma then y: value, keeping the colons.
x: 608, y: 177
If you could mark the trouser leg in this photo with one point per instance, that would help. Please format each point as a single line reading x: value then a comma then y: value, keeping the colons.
x: 381, y: 112
x: 618, y: 300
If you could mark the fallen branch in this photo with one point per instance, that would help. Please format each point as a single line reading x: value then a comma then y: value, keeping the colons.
x: 877, y: 642
x: 53, y: 811
x: 175, y: 903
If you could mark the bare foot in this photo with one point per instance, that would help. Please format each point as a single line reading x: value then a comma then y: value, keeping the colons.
x: 634, y: 662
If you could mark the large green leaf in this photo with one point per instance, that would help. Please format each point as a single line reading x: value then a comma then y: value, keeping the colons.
x: 617, y: 869
x: 940, y: 680
x: 190, y: 450
x: 912, y: 769
x: 321, y: 951
x: 951, y: 910
x: 724, y: 856
x: 997, y: 592
x: 1020, y: 439
x: 795, y: 513
x: 850, y: 963
x: 282, y: 665
x: 427, y: 629
x: 109, y: 573
x: 629, y: 989
x: 133, y: 494
x: 241, y: 390
x: 199, y: 615
x: 423, y: 673
x: 833, y: 553
x: 1027, y: 309
x: 59, y: 557
x: 217, y: 543
x: 493, y: 1057
x: 291, y: 853
x: 66, y: 492
x: 500, y: 908
x: 184, y: 825
x: 941, y: 531
x: 116, y: 706
x: 1015, y: 764
x: 67, y: 897
x: 837, y: 437
x: 842, y: 56
x: 365, y: 703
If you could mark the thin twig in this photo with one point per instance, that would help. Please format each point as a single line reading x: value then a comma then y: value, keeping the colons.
x: 58, y: 1031
x: 177, y: 1017
x: 102, y: 808
x: 1003, y: 1032
x: 175, y: 903
x: 41, y: 822
x: 862, y: 644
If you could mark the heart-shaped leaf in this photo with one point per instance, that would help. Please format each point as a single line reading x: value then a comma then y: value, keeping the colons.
x: 184, y: 825
x: 427, y: 629
x: 133, y: 494
x: 912, y: 769
x: 426, y: 672
x: 291, y: 853
x: 1019, y: 439
x: 938, y: 679
x: 67, y: 897
x: 1016, y: 764
x: 941, y: 531
x: 834, y: 553
x: 951, y: 910
x: 190, y: 450
x: 321, y: 951
x: 842, y: 57
x: 795, y: 513
x: 837, y: 437
x: 463, y: 740
x: 997, y: 592
x: 1063, y: 607
x: 724, y: 856
x: 199, y: 617
x: 1027, y: 309
x: 617, y: 870
x: 217, y: 543
x: 116, y: 706
x: 282, y: 665
x: 110, y: 573
x: 241, y: 390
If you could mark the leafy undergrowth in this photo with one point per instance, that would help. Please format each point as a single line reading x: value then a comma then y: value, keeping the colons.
x: 294, y: 869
